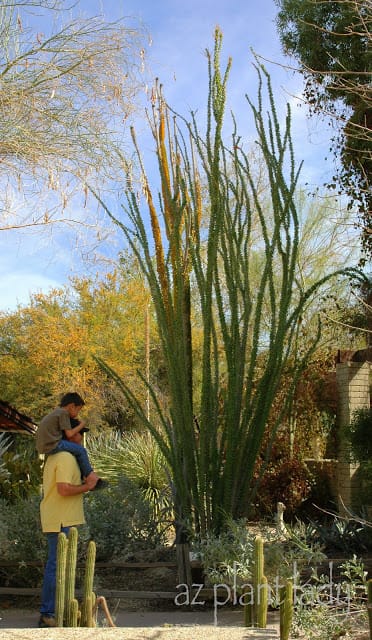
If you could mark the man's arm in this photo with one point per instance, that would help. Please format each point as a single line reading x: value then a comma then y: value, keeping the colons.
x: 67, y: 489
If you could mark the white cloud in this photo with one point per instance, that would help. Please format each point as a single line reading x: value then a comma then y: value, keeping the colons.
x: 16, y: 288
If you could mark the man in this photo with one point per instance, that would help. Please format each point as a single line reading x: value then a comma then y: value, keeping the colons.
x: 61, y: 508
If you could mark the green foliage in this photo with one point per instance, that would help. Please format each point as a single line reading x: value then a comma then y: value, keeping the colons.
x: 326, y: 610
x: 318, y: 34
x: 5, y: 443
x: 365, y: 476
x: 359, y: 434
x: 331, y: 41
x: 20, y: 468
x: 341, y: 536
x: 21, y: 540
x: 228, y: 554
x: 228, y: 557
x: 121, y: 522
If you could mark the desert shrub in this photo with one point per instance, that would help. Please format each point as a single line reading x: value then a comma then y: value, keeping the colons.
x: 21, y: 540
x: 228, y: 557
x: 327, y: 610
x: 342, y: 536
x: 20, y: 468
x: 359, y: 435
x: 120, y: 521
x: 5, y: 443
x: 286, y: 478
x: 365, y: 475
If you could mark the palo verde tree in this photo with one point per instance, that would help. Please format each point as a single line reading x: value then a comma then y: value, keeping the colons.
x: 210, y: 436
x: 331, y: 41
x: 47, y: 345
x: 67, y: 84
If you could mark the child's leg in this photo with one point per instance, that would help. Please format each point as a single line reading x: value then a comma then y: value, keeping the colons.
x: 80, y: 454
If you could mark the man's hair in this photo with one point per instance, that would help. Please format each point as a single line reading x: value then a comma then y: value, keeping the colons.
x: 72, y: 398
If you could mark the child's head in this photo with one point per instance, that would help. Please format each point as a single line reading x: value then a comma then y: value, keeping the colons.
x: 72, y: 402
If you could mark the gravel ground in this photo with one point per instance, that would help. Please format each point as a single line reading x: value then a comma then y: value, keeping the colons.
x: 155, y: 633
x: 155, y: 625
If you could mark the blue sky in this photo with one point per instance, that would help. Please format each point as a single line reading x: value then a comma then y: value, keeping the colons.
x: 31, y: 261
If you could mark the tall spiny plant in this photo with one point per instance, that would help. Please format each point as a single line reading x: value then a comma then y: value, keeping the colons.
x: 212, y: 460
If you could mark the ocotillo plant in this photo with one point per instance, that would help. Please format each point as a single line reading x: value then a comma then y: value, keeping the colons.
x: 67, y: 608
x: 239, y: 250
x: 286, y: 610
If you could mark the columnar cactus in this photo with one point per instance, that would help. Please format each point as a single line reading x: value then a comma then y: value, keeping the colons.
x: 70, y: 576
x: 255, y: 612
x: 61, y: 578
x: 88, y: 595
x: 263, y: 603
x: 73, y: 613
x: 286, y: 610
x: 67, y: 608
x: 369, y: 607
x: 259, y: 585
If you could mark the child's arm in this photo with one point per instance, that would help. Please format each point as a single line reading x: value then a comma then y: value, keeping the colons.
x: 71, y: 432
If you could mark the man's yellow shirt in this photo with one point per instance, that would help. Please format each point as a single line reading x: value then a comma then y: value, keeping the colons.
x: 58, y: 511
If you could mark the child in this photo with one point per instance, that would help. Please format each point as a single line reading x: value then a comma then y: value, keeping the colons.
x: 50, y: 435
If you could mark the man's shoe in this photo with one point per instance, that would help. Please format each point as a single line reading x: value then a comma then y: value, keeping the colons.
x: 46, y: 622
x: 101, y: 484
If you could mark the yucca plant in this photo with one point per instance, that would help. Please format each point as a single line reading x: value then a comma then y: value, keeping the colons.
x: 138, y: 457
x: 5, y: 443
x: 211, y: 436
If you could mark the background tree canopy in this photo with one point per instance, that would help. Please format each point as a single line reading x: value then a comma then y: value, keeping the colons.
x: 68, y: 85
x: 331, y: 41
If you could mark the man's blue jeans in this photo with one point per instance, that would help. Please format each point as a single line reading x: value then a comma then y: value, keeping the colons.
x: 48, y: 592
x: 79, y: 452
